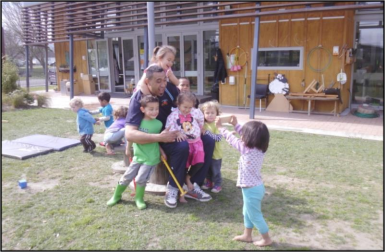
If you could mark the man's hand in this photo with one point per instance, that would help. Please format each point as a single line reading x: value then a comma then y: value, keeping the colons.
x: 129, y: 153
x: 168, y: 136
x: 162, y: 153
x: 181, y: 137
x: 97, y: 122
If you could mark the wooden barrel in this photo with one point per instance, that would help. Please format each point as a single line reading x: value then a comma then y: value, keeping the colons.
x: 160, y: 175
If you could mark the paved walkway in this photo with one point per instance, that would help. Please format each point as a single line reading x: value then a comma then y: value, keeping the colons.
x: 344, y: 126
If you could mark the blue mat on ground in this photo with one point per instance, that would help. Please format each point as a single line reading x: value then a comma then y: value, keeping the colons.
x: 56, y: 143
x: 22, y: 150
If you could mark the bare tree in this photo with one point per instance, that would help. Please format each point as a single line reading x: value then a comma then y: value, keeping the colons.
x: 12, y: 21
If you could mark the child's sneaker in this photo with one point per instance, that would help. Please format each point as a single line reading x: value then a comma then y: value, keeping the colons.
x: 198, y: 194
x: 216, y: 189
x: 207, y: 185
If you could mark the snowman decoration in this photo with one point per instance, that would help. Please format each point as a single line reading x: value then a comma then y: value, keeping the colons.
x: 279, y: 85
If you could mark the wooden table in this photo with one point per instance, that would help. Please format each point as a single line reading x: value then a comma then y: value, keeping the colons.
x: 315, y: 98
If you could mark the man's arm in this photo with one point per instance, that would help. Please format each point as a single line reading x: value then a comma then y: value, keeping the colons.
x: 134, y: 135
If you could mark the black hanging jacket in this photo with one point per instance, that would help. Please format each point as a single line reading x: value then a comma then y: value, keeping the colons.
x: 220, y: 73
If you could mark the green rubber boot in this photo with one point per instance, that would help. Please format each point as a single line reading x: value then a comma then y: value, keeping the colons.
x: 139, y: 197
x: 117, y: 195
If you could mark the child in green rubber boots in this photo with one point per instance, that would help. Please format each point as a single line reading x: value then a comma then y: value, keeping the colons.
x: 146, y: 156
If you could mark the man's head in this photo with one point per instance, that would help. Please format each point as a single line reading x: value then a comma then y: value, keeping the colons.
x: 184, y: 85
x: 156, y: 80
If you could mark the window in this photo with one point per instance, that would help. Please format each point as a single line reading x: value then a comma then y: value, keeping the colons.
x: 280, y: 58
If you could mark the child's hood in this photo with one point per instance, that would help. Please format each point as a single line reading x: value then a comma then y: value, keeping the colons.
x: 83, y: 110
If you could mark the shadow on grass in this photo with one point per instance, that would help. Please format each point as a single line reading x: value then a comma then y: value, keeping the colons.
x: 279, y: 206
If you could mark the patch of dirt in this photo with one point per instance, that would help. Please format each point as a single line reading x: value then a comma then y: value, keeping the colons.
x: 291, y: 183
x: 153, y: 244
x: 323, y: 234
x: 109, y: 181
x: 34, y: 187
x: 41, y: 186
x: 331, y: 235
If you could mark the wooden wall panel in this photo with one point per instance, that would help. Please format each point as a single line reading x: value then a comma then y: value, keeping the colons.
x: 283, y: 33
x: 229, y: 39
x: 326, y: 29
x: 80, y: 49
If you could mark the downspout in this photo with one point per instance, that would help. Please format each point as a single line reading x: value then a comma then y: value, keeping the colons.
x: 146, y: 49
x: 72, y: 65
x: 46, y: 68
x: 254, y: 64
x: 27, y: 66
x: 151, y: 27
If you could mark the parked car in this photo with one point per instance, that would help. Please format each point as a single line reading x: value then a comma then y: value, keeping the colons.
x: 52, y: 75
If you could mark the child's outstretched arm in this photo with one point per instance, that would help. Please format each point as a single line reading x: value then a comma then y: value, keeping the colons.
x: 142, y: 86
x: 95, y: 112
x: 173, y: 79
x: 230, y: 138
x: 104, y: 118
x: 216, y: 137
x: 88, y: 117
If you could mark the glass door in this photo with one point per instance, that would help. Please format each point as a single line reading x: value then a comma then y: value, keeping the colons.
x: 186, y: 60
x: 117, y: 65
x: 368, y: 72
x: 158, y: 42
x: 92, y: 62
x: 129, y: 65
x: 210, y: 43
x: 190, y: 66
x: 103, y: 69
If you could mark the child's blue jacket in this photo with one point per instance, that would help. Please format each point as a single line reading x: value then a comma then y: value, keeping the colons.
x: 85, y: 122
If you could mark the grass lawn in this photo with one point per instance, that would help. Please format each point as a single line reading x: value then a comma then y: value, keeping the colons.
x: 322, y: 192
x: 41, y: 88
x: 37, y: 73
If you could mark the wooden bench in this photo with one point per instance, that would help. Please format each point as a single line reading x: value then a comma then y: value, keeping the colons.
x: 315, y: 97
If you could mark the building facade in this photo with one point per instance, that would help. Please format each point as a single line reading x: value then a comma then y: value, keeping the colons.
x: 304, y: 41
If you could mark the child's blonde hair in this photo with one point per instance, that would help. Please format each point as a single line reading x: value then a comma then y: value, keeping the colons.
x: 121, y: 112
x: 210, y: 104
x: 161, y: 51
x: 76, y: 102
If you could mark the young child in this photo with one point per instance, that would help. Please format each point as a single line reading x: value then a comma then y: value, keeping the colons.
x: 210, y: 111
x: 252, y: 146
x: 184, y: 86
x: 115, y: 133
x: 106, y: 109
x: 84, y: 122
x: 146, y: 156
x: 189, y: 122
x: 163, y: 56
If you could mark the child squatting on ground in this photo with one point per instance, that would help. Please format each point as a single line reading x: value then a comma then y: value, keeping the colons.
x: 146, y: 156
x: 252, y: 146
x: 106, y: 109
x: 164, y: 57
x: 85, y: 124
x: 210, y: 111
x: 189, y: 122
x: 115, y: 133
